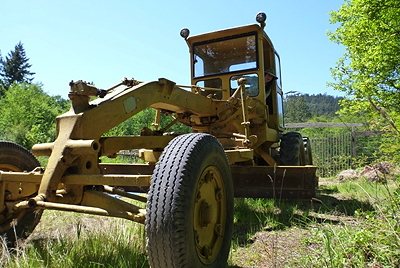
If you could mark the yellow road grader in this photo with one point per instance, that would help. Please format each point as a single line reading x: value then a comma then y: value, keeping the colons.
x: 188, y: 183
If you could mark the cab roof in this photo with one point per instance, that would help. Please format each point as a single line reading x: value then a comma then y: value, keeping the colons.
x: 227, y: 33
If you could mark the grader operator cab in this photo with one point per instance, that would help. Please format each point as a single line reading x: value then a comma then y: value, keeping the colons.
x: 236, y: 149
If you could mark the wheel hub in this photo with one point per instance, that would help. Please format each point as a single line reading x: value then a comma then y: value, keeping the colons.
x: 209, y: 215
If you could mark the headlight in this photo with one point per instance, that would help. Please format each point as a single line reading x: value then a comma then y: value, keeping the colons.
x: 261, y: 17
x: 185, y: 33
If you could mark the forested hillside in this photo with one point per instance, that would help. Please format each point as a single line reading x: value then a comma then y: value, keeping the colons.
x: 301, y: 108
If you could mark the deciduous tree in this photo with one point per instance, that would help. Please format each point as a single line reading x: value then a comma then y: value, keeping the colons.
x: 28, y: 114
x: 369, y: 71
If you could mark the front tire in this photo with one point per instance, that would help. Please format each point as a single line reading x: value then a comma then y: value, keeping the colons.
x: 14, y: 157
x: 189, y: 215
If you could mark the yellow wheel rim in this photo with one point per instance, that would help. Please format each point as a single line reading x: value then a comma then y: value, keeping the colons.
x: 209, y: 215
x: 9, y: 167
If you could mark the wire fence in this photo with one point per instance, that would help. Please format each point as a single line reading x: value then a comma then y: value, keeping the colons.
x: 332, y: 154
x: 335, y: 152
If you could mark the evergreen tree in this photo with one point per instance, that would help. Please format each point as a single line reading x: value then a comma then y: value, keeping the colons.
x: 15, y: 68
x: 303, y: 107
x: 296, y: 109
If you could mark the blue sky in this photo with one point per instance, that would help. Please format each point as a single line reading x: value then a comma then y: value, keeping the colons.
x: 104, y: 41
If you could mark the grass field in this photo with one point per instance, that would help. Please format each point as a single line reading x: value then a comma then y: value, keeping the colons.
x: 353, y: 223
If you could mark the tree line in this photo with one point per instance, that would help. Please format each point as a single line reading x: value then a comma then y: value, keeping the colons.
x: 28, y: 113
x: 301, y: 108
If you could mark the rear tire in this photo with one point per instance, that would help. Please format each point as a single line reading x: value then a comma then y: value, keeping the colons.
x: 14, y: 157
x: 292, y: 150
x: 189, y: 217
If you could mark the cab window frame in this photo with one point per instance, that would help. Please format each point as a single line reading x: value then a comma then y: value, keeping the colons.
x: 228, y: 70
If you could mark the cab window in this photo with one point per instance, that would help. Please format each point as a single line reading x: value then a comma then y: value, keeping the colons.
x: 252, y: 89
x: 208, y: 85
x: 280, y: 110
x: 278, y: 70
x: 225, y: 55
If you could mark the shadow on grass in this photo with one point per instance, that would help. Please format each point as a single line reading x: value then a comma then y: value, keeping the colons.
x: 254, y: 215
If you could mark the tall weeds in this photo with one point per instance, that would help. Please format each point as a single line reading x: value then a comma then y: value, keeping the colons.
x: 372, y: 239
x: 81, y: 242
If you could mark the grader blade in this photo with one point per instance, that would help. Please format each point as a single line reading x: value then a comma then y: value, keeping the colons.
x: 283, y: 182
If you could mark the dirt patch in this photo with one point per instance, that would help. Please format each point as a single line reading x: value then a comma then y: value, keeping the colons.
x: 273, y: 249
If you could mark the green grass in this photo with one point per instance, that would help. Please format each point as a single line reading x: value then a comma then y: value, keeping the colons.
x: 370, y: 238
x: 350, y: 224
x: 73, y: 240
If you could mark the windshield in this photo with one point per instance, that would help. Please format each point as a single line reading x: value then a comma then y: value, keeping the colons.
x: 225, y: 55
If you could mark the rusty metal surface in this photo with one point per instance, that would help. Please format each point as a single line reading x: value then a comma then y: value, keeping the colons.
x: 287, y: 182
x: 129, y: 169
